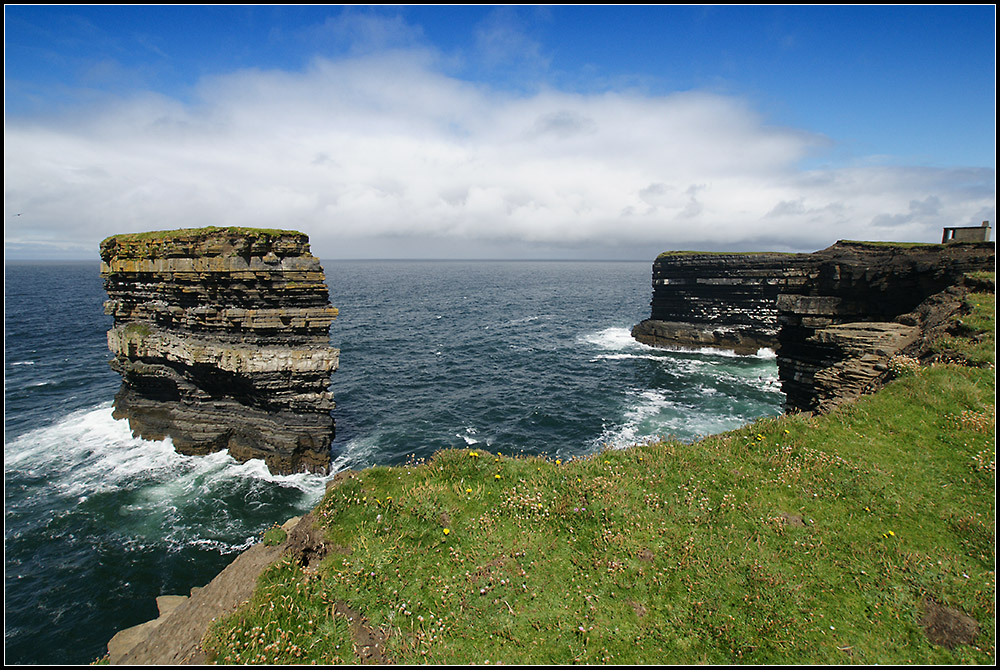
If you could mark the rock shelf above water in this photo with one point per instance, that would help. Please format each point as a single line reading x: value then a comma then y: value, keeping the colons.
x: 835, y: 316
x: 222, y: 338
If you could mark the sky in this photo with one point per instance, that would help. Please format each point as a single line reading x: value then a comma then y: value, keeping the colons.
x: 495, y: 132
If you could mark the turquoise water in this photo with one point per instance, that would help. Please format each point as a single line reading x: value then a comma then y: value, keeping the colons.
x: 514, y: 357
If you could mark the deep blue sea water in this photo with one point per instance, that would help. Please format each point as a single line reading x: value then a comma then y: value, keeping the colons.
x: 514, y: 357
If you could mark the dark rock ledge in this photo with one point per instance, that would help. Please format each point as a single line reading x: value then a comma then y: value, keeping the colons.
x: 175, y: 637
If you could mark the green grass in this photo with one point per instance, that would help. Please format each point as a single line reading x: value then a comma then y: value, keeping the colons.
x: 274, y: 536
x: 989, y: 278
x: 727, y: 253
x: 194, y: 232
x: 899, y: 245
x: 792, y: 540
x: 910, y: 245
x: 974, y: 337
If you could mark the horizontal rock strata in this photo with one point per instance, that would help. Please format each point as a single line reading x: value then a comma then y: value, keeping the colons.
x: 221, y: 336
x: 720, y: 300
x: 863, y: 304
x: 835, y: 317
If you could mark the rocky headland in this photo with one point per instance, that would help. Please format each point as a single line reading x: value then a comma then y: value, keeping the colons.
x: 221, y: 336
x: 835, y: 317
x: 720, y: 300
x: 864, y: 304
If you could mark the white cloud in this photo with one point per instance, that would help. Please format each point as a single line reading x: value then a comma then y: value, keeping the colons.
x: 364, y: 32
x: 382, y: 155
x: 501, y: 39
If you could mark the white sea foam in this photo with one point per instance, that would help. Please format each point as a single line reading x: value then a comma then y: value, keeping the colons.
x: 652, y: 413
x: 620, y: 340
x: 763, y: 353
x: 614, y: 338
x: 224, y: 547
x: 467, y: 436
x: 357, y: 454
x: 707, y: 351
x: 89, y: 453
x: 67, y: 444
x: 625, y: 357
x: 643, y: 407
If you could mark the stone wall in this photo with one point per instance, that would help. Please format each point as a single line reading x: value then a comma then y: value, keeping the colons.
x: 221, y: 336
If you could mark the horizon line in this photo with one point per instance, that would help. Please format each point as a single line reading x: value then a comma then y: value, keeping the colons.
x: 10, y: 261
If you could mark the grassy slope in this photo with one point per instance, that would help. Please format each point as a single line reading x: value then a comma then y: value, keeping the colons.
x: 792, y: 540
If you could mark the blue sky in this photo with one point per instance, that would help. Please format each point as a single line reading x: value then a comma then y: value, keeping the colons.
x: 484, y: 132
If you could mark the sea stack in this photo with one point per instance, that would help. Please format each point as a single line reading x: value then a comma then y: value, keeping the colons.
x: 222, y: 338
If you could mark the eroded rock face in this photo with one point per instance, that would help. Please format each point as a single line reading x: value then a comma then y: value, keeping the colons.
x: 863, y: 304
x: 221, y: 336
x: 835, y: 317
x: 720, y: 300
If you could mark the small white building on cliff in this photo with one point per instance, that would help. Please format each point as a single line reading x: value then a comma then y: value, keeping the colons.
x: 967, y: 234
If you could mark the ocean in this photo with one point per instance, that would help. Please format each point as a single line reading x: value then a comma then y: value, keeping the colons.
x: 513, y: 357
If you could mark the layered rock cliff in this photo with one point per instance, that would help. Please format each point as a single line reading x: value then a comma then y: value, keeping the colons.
x: 221, y: 336
x: 835, y: 317
x: 724, y: 300
x: 863, y: 304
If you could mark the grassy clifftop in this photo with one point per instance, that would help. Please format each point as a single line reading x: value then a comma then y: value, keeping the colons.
x: 862, y: 536
x: 195, y: 233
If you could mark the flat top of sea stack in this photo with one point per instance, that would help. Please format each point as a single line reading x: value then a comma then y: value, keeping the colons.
x: 208, y: 241
x: 189, y: 234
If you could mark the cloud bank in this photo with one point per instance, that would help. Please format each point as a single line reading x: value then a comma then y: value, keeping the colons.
x: 383, y: 155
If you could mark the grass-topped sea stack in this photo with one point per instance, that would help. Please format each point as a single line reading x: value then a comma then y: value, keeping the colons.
x: 222, y: 338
